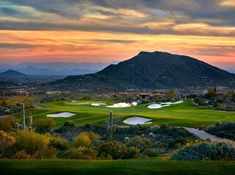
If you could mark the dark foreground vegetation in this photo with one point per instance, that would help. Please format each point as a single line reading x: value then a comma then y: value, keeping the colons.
x: 92, y: 142
x: 223, y: 129
x: 103, y: 167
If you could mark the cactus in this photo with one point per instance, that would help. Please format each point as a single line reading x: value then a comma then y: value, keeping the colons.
x: 110, y: 126
x: 23, y: 117
x: 30, y: 123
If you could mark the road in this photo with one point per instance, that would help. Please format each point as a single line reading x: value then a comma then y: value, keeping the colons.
x: 3, y: 116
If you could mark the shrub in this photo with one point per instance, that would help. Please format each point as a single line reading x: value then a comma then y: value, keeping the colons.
x: 206, y: 151
x: 80, y: 153
x: 33, y: 143
x: 223, y: 129
x: 28, y: 101
x: 113, y: 149
x: 132, y: 152
x: 22, y: 155
x: 6, y: 141
x: 7, y: 124
x: 67, y: 126
x: 152, y: 152
x: 85, y: 138
x: 59, y: 143
x: 139, y: 142
x: 43, y: 125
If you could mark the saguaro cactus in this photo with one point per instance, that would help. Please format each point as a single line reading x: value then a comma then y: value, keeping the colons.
x: 110, y: 126
x: 30, y: 123
x: 23, y: 116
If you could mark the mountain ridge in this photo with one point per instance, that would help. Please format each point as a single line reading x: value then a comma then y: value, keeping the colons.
x: 151, y: 70
x: 12, y: 73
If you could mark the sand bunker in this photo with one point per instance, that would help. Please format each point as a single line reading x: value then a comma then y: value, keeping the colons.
x: 134, y: 103
x: 155, y: 106
x: 122, y: 105
x: 98, y: 104
x: 164, y: 104
x: 62, y: 114
x: 119, y: 105
x: 137, y: 120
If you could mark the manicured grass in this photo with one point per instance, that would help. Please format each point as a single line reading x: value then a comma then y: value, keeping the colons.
x: 119, y: 167
x: 182, y: 114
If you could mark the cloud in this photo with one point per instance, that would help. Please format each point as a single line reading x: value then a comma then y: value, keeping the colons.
x: 15, y: 46
x: 118, y: 16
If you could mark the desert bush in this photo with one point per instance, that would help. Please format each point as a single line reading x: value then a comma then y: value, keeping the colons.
x: 22, y: 155
x: 79, y: 153
x: 223, y: 129
x: 28, y: 101
x: 113, y: 149
x: 67, y: 126
x: 132, y: 152
x: 85, y: 138
x: 174, y: 137
x: 206, y: 151
x: 139, y: 142
x: 152, y: 152
x: 33, y: 143
x: 6, y: 141
x: 59, y: 143
x: 43, y: 125
x: 7, y: 124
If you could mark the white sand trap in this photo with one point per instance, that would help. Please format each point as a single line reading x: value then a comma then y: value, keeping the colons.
x: 155, y: 106
x: 122, y: 105
x: 137, y: 120
x: 74, y: 101
x: 62, y: 114
x: 119, y: 105
x: 134, y: 103
x: 98, y: 104
x: 164, y: 104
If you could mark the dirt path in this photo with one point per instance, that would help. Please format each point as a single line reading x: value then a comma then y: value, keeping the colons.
x: 3, y: 116
x: 206, y: 136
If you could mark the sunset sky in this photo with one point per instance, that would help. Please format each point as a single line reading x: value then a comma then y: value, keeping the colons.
x: 115, y: 30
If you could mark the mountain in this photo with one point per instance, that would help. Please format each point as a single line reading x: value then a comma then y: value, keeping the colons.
x: 55, y: 68
x: 151, y: 70
x: 12, y: 73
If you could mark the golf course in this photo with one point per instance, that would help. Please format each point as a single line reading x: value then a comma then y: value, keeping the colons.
x: 83, y: 112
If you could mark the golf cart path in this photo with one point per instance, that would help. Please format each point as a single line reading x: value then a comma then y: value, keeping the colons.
x: 206, y: 136
x: 3, y: 116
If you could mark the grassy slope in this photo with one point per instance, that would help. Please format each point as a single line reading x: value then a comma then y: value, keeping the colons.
x: 124, y: 167
x: 183, y: 114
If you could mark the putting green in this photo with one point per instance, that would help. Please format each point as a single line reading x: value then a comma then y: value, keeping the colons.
x: 184, y: 114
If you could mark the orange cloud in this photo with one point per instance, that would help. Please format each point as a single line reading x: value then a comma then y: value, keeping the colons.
x: 18, y: 46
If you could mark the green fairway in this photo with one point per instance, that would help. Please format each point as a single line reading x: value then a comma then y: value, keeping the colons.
x: 118, y: 167
x: 184, y: 114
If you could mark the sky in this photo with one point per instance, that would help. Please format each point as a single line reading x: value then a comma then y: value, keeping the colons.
x: 115, y: 30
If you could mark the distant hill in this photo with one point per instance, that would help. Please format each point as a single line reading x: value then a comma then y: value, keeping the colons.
x: 151, y: 70
x: 12, y: 73
x: 55, y: 68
